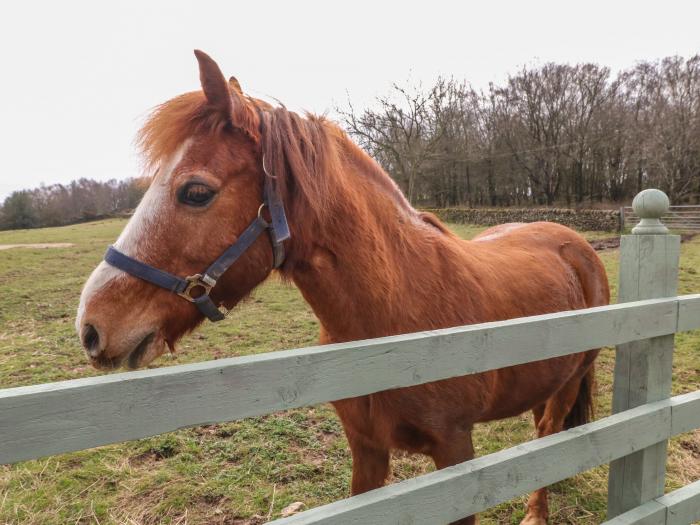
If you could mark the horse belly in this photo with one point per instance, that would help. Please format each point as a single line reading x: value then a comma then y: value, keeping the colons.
x: 520, y: 388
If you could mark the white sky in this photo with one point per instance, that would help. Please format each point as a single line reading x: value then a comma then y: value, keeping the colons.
x: 78, y: 77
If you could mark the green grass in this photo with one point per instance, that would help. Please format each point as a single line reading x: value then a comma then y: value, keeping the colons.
x: 242, y: 472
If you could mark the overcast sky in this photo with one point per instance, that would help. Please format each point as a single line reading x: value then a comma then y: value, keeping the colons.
x: 78, y: 77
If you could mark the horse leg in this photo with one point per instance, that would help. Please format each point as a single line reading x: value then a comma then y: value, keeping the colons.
x: 370, y: 465
x: 457, y: 450
x: 549, y: 419
x: 370, y: 457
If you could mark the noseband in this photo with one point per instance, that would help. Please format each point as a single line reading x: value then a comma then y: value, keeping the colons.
x: 204, y: 282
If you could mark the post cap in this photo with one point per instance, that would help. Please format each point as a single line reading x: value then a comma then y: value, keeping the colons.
x: 650, y: 205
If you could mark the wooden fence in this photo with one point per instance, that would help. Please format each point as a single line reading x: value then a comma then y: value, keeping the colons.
x: 72, y: 415
x: 678, y: 218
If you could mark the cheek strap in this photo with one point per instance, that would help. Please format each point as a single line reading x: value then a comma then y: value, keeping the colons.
x: 196, y: 288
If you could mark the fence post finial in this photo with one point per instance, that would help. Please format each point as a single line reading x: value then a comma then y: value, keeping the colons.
x: 650, y: 205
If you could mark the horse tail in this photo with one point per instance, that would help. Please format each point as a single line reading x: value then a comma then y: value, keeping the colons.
x: 583, y: 410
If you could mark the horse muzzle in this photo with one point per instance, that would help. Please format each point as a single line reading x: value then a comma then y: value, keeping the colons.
x: 133, y: 352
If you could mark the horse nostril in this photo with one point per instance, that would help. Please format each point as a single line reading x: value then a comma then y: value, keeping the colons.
x: 91, y: 340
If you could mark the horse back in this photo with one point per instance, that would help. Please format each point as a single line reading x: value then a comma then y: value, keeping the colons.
x: 533, y: 249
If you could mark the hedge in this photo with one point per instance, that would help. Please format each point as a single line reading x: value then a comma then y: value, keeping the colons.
x: 587, y: 220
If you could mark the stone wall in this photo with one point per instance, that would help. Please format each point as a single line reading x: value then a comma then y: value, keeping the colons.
x: 584, y: 220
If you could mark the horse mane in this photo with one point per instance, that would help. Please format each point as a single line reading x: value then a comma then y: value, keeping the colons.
x: 300, y: 155
x: 318, y: 167
x: 306, y: 155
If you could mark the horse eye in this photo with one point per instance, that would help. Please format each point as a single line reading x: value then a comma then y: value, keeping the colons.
x: 195, y: 194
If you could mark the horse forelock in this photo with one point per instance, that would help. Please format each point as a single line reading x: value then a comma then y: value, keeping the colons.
x: 174, y: 122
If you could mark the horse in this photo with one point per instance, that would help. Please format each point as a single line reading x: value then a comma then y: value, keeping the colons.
x: 367, y: 263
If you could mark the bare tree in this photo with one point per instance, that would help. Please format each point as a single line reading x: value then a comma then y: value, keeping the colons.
x: 401, y: 133
x: 558, y: 133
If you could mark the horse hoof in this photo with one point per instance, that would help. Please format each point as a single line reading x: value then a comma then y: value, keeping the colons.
x: 533, y: 520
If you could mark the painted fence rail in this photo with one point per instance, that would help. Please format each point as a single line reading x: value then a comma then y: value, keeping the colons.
x: 47, y: 419
x: 474, y: 486
x: 679, y: 507
x: 51, y: 418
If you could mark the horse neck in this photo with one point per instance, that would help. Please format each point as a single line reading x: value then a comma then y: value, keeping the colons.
x: 372, y: 266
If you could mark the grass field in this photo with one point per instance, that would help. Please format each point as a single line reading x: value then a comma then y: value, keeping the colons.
x: 245, y: 472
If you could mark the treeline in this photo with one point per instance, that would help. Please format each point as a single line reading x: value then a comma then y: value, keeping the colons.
x: 58, y: 204
x: 574, y: 135
x: 559, y: 133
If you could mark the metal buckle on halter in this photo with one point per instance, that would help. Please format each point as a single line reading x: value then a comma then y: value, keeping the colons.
x: 260, y: 216
x: 194, y: 281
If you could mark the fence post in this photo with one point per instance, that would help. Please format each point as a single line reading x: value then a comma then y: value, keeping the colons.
x: 648, y: 269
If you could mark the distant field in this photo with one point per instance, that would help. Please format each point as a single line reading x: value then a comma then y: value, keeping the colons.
x: 240, y: 473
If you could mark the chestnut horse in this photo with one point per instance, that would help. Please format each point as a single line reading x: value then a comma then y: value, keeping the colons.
x: 368, y: 264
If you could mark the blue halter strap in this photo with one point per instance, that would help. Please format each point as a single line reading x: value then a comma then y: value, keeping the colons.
x: 196, y: 288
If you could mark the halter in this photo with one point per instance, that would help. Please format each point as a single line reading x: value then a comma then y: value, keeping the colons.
x: 204, y: 282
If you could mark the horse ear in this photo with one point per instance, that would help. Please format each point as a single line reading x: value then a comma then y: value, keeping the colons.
x: 214, y: 84
x: 227, y: 97
x: 235, y: 85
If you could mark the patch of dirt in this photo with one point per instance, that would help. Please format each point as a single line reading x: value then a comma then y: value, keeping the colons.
x: 605, y: 244
x: 691, y: 446
x: 38, y: 245
x: 255, y: 520
x: 610, y: 243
